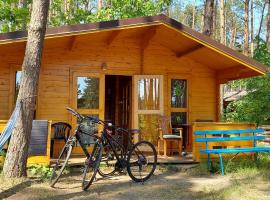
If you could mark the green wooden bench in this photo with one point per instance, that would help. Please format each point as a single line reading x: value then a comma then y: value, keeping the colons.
x: 231, y: 135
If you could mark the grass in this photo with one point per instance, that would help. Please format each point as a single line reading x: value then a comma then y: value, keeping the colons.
x: 244, y: 179
x: 237, y: 165
x: 247, y: 179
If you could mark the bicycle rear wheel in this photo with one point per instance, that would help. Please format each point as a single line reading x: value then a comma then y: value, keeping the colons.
x: 92, y: 165
x: 142, y: 161
x: 60, y: 164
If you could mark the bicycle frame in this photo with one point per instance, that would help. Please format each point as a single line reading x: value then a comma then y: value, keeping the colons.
x: 105, y: 137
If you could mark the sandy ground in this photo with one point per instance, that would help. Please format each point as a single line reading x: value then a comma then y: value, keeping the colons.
x: 164, y: 185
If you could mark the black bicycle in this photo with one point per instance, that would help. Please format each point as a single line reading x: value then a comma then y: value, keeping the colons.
x: 109, y: 155
x: 93, y: 158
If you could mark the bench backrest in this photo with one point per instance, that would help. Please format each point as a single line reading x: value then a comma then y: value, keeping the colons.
x: 229, y: 135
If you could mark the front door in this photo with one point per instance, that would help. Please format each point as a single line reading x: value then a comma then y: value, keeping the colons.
x: 148, y: 105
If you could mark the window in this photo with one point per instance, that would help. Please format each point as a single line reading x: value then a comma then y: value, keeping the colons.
x: 178, y: 93
x: 18, y: 76
x: 87, y: 93
x: 148, y: 94
x: 178, y: 101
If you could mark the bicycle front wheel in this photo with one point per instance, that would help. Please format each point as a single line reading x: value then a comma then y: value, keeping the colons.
x: 92, y: 165
x: 107, y: 163
x: 142, y: 161
x: 60, y: 164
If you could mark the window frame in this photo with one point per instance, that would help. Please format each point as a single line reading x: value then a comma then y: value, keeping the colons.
x: 188, y: 100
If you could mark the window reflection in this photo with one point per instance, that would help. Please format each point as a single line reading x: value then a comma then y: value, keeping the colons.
x: 18, y: 76
x: 178, y: 93
x: 178, y: 118
x: 148, y: 94
x: 88, y: 93
x: 148, y: 124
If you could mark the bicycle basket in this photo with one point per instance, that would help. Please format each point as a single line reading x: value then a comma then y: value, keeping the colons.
x: 90, y: 128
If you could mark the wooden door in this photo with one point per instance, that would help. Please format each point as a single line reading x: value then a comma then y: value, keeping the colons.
x: 125, y: 104
x: 148, y: 105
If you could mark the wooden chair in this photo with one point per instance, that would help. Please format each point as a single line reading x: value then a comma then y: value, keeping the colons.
x: 166, y: 135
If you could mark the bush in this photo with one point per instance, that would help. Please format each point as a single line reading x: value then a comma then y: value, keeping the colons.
x: 3, y: 153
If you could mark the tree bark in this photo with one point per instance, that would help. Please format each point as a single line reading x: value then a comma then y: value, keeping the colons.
x: 208, y: 17
x: 222, y: 22
x: 99, y: 4
x: 268, y: 27
x: 15, y: 163
x: 215, y: 21
x: 246, y: 29
x: 262, y: 16
x: 251, y: 29
x: 233, y: 37
x: 193, y: 14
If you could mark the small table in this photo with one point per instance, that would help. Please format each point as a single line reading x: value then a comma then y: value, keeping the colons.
x: 186, y: 135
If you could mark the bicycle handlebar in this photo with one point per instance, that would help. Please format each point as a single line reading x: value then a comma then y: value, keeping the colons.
x: 81, y: 117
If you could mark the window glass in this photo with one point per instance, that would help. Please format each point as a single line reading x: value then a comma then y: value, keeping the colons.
x: 178, y: 118
x: 18, y: 76
x: 88, y: 93
x: 178, y: 93
x: 149, y: 94
x: 148, y: 124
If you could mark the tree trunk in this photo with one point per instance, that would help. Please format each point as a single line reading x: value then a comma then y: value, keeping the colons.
x: 15, y: 163
x: 261, y: 21
x: 193, y: 14
x: 208, y: 17
x: 202, y: 21
x: 99, y: 4
x: 215, y: 21
x: 246, y: 29
x: 268, y: 27
x: 251, y: 29
x: 222, y: 22
x: 233, y: 37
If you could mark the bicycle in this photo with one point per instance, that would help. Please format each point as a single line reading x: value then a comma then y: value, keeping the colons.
x: 139, y: 159
x: 65, y: 154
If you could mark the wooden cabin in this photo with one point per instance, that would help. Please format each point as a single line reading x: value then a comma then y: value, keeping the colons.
x: 128, y: 71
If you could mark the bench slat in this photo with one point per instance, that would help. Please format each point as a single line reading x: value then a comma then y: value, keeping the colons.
x: 222, y: 139
x: 228, y: 132
x: 236, y: 150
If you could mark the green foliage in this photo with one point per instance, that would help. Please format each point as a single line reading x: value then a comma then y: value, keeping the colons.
x: 3, y: 153
x: 41, y: 171
x: 255, y: 106
x: 14, y: 16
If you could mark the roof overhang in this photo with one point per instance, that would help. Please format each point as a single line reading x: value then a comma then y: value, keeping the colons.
x: 246, y: 67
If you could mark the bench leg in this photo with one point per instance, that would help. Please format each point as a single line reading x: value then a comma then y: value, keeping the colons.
x: 256, y: 156
x: 221, y: 164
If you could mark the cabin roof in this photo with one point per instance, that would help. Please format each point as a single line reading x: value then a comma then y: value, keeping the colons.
x: 227, y: 56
